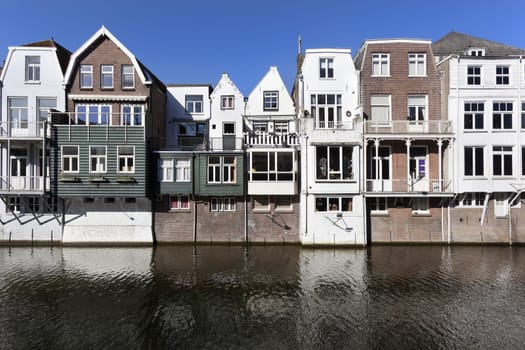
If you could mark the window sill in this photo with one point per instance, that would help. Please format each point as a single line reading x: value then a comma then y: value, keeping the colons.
x: 97, y: 179
x: 126, y: 179
x: 67, y: 178
x: 379, y: 213
x: 179, y: 211
x: 421, y: 213
x: 31, y: 82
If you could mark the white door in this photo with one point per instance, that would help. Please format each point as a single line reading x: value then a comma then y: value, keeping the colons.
x: 18, y: 168
x: 418, y: 176
x: 380, y: 170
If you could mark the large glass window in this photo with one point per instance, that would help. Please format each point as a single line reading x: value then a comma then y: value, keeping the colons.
x: 221, y: 169
x: 97, y: 159
x: 194, y: 104
x: 473, y: 75
x: 126, y: 159
x: 380, y: 109
x: 338, y: 204
x: 327, y: 110
x: 502, y: 115
x: 417, y: 64
x: 32, y: 68
x: 70, y: 159
x: 44, y: 105
x: 132, y: 115
x: 474, y: 163
x: 334, y: 163
x: 106, y: 77
x: 326, y: 68
x: 128, y: 77
x: 502, y: 160
x: 93, y: 114
x: 271, y: 100
x: 473, y: 115
x: 182, y: 170
x: 86, y: 76
x: 18, y: 110
x: 417, y: 108
x: 271, y: 166
x: 380, y: 64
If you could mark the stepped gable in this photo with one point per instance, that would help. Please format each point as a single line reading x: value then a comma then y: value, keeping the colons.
x: 455, y: 43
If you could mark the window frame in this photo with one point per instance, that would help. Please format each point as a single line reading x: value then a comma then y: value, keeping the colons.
x: 473, y: 75
x: 326, y: 68
x: 502, y: 116
x: 271, y: 100
x: 376, y: 102
x: 334, y: 171
x: 223, y: 204
x: 102, y: 110
x: 502, y: 75
x: 327, y: 110
x: 380, y: 64
x: 179, y: 200
x: 333, y: 204
x: 473, y: 116
x: 227, y: 102
x: 130, y: 118
x: 476, y: 157
x: 126, y: 158
x: 272, y: 170
x: 166, y: 170
x: 100, y: 160
x: 32, y: 69
x: 420, y: 109
x: 182, y: 169
x: 18, y: 115
x: 417, y: 61
x: 86, y: 71
x: 104, y: 75
x: 502, y: 152
x: 72, y: 159
x: 194, y: 104
x: 377, y: 207
x: 125, y: 74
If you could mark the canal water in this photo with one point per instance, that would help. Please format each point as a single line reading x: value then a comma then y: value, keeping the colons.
x: 262, y: 297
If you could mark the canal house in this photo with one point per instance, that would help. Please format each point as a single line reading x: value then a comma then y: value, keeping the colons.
x: 201, y: 171
x: 32, y: 85
x: 407, y: 142
x: 483, y: 84
x: 327, y: 100
x: 103, y: 144
x: 271, y: 140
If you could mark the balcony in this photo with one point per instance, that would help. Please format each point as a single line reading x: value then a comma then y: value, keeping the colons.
x: 23, y: 184
x: 330, y: 125
x: 23, y: 130
x: 271, y: 140
x: 401, y: 127
x: 226, y: 143
x: 409, y: 185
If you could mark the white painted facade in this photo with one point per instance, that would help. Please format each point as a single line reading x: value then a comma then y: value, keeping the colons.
x: 26, y: 98
x: 499, y: 128
x: 271, y: 132
x: 188, y: 110
x: 226, y: 122
x: 332, y: 206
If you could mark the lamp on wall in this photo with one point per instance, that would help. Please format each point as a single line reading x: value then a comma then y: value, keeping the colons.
x: 348, y: 113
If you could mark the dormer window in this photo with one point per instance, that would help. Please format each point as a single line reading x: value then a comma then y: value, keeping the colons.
x: 476, y: 51
x: 32, y: 68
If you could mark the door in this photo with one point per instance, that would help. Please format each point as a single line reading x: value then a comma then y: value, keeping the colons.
x: 228, y: 136
x: 380, y: 170
x: 418, y: 176
x: 18, y: 169
x: 417, y: 106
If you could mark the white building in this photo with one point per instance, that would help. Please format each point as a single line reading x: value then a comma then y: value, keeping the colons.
x: 332, y: 205
x: 32, y: 81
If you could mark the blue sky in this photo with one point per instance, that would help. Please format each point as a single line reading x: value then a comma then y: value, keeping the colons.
x: 195, y: 41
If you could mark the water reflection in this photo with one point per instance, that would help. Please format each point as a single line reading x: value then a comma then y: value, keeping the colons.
x: 280, y: 297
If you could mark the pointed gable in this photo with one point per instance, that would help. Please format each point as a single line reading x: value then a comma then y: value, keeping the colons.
x: 271, y: 82
x: 144, y: 75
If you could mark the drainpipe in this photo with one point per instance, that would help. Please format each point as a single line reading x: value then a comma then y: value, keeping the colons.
x: 245, y: 198
x: 193, y: 195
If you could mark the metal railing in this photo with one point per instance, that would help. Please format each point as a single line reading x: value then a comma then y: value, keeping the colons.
x: 409, y: 185
x: 226, y: 143
x: 408, y: 127
x: 22, y: 184
x: 23, y: 129
x: 271, y: 139
x: 99, y: 118
x: 347, y: 125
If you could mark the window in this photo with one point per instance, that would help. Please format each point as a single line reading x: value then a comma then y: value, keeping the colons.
x: 222, y: 204
x: 44, y: 105
x: 380, y: 109
x: 272, y: 166
x: 523, y: 161
x: 271, y: 100
x: 182, y: 170
x: 417, y: 168
x: 227, y: 102
x: 523, y: 115
x: 502, y: 115
x: 380, y: 64
x: 132, y: 115
x: 417, y: 64
x: 106, y: 77
x: 93, y: 114
x: 126, y: 159
x: 18, y: 110
x: 228, y: 129
x: 283, y: 203
x: 165, y: 170
x: 471, y: 200
x: 86, y: 76
x: 180, y: 202
x: 379, y: 166
x: 70, y: 159
x: 473, y: 115
x: 194, y: 104
x: 327, y: 110
x: 32, y: 68
x: 128, y: 77
x: 417, y: 107
x: 378, y: 205
x: 502, y: 75
x: 260, y: 127
x: 261, y: 203
x: 97, y: 159
x: 476, y: 52
x: 280, y: 127
x: 502, y: 160
x: 326, y: 68
x: 473, y: 75
x: 420, y: 205
x: 334, y: 163
x: 337, y: 204
x: 474, y: 161
x: 221, y: 169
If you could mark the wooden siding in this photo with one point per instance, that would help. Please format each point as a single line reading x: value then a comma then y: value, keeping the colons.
x: 221, y: 189
x: 112, y: 137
